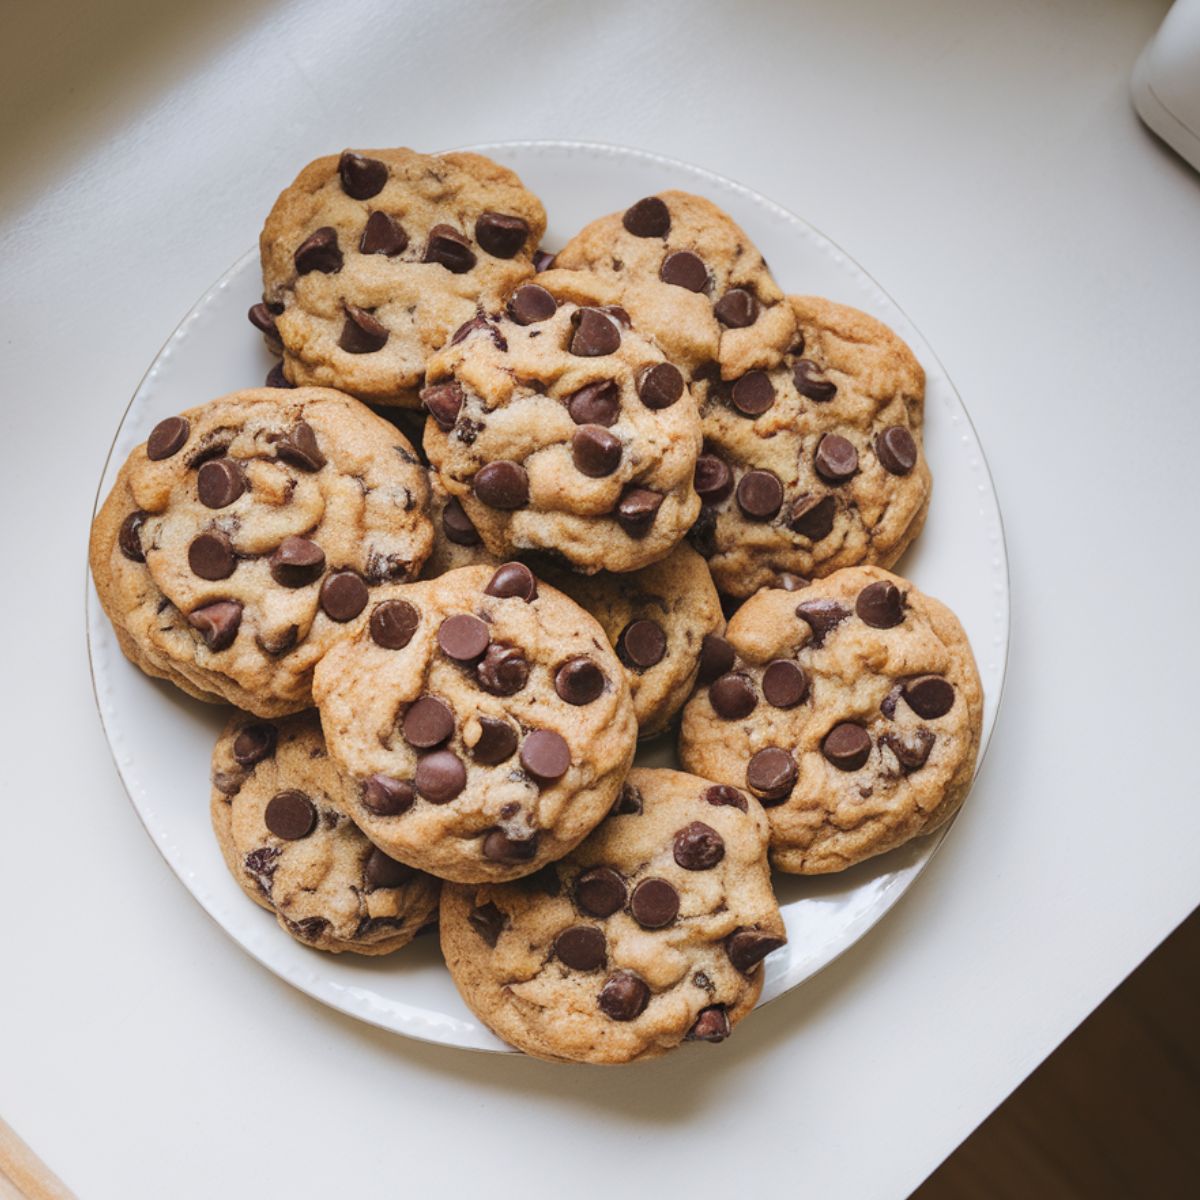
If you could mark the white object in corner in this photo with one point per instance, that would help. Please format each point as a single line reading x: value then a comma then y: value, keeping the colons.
x: 1166, y: 81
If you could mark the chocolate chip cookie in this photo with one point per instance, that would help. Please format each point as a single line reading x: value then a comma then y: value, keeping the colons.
x: 658, y: 620
x: 372, y: 259
x: 852, y: 709
x: 243, y: 535
x: 558, y: 426
x: 815, y: 464
x: 484, y: 718
x: 650, y: 934
x: 691, y: 278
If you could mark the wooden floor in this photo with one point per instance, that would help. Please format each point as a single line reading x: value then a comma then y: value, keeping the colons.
x: 1114, y: 1112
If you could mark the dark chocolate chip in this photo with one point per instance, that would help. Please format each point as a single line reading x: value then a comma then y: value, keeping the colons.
x: 278, y: 641
x: 362, y: 333
x: 647, y: 218
x: 836, y: 459
x: 129, y: 538
x: 737, y: 308
x: 488, y: 922
x: 596, y: 404
x: 812, y: 516
x: 713, y: 479
x: 880, y: 604
x: 463, y: 637
x: 504, y: 670
x: 263, y: 319
x: 362, y: 177
x: 887, y: 705
x: 255, y: 743
x: 457, y: 526
x: 383, y: 234
x: 428, y: 722
x: 513, y: 579
x: 595, y: 452
x: 497, y: 742
x: 393, y: 623
x: 297, y: 562
x: 211, y: 556
x: 581, y: 947
x: 759, y: 495
x: 501, y: 848
x: 910, y: 746
x: 319, y: 252
x: 896, y: 450
x: 822, y: 617
x: 784, y: 684
x: 659, y: 386
x: 698, y: 847
x: 228, y: 783
x: 771, y: 774
x: 642, y: 644
x: 637, y: 509
x: 711, y: 1025
x: 543, y: 260
x: 847, y: 746
x: 167, y: 438
x: 300, y: 448
x: 503, y: 485
x: 753, y: 394
x: 383, y: 871
x: 629, y: 802
x: 531, y: 304
x: 716, y: 658
x: 449, y: 248
x: 440, y: 776
x: 479, y: 323
x: 654, y: 903
x: 443, y: 401
x: 748, y: 947
x: 732, y: 696
x: 387, y: 797
x: 810, y: 381
x: 545, y: 756
x: 220, y: 482
x: 579, y: 681
x: 276, y: 378
x: 929, y: 696
x: 343, y: 596
x: 682, y: 268
x: 721, y: 795
x: 595, y: 334
x: 290, y: 815
x: 600, y: 892
x: 624, y: 996
x: 618, y: 314
x: 218, y: 623
x: 501, y: 234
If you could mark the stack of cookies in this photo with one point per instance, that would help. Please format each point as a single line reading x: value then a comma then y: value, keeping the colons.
x: 483, y: 530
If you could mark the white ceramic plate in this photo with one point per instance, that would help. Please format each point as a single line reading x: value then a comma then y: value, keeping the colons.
x: 162, y: 740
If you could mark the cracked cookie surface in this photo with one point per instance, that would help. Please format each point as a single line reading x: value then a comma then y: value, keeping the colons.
x: 242, y: 536
x: 484, y: 718
x: 852, y: 708
x: 651, y: 933
x: 372, y: 259
x: 278, y: 810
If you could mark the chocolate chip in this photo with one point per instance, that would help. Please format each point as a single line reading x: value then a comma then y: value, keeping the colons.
x: 319, y: 252
x: 428, y: 722
x: 129, y: 538
x: 896, y: 450
x: 481, y: 323
x: 545, y: 756
x: 387, y: 797
x: 393, y: 623
x: 290, y: 815
x: 647, y: 218
x: 513, y: 579
x: 228, y: 783
x: 732, y: 696
x: 887, y: 705
x: 218, y: 623
x: 167, y: 438
x: 659, y: 386
x: 698, y: 847
x: 596, y: 404
x: 501, y: 848
x: 504, y: 670
x: 771, y: 774
x: 737, y: 308
x: 759, y: 495
x: 276, y: 378
x: 254, y: 743
x: 277, y: 641
x: 543, y: 260
x: 263, y: 319
x: 440, y: 776
x: 463, y: 637
x: 910, y: 746
x: 642, y: 644
x: 822, y: 617
x: 624, y: 996
x: 488, y: 922
x: 497, y: 742
x: 503, y: 485
x: 595, y: 334
x: 629, y: 802
x: 581, y: 947
x: 637, y: 509
x: 682, y: 268
x: 748, y: 947
x: 297, y: 562
x: 784, y: 684
x: 383, y: 234
x: 721, y: 795
x: 383, y: 871
x: 600, y: 892
x: 713, y: 479
x: 654, y: 903
x: 220, y: 482
x: 443, y: 401
x: 457, y: 526
x: 716, y: 658
x: 531, y: 304
x: 929, y: 696
x: 810, y: 381
x: 880, y: 604
x: 362, y: 333
x: 500, y: 234
x: 595, y: 452
x: 788, y: 582
x: 211, y: 556
x: 343, y: 596
x: 449, y: 248
x: 300, y: 448
x: 753, y: 394
x: 836, y: 459
x: 362, y: 177
x: 712, y: 1025
x: 579, y: 681
x: 812, y: 516
x: 847, y: 746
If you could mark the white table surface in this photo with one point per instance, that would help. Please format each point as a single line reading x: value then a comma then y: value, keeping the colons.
x: 982, y: 160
